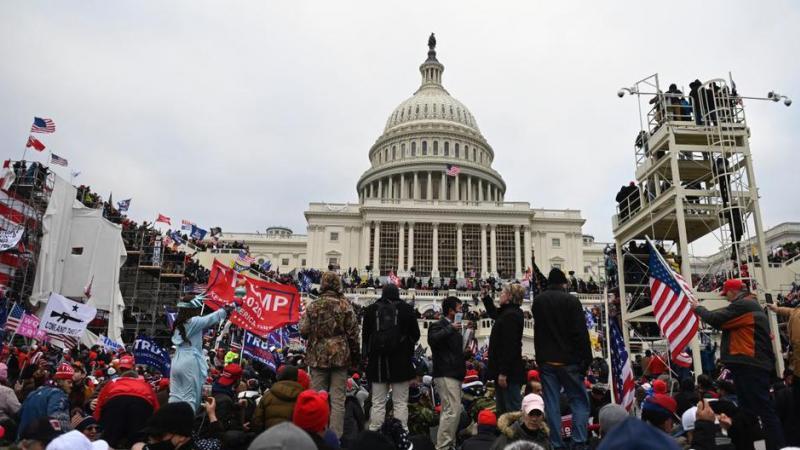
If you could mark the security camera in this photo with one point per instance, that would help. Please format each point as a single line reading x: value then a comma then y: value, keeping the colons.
x: 771, y: 95
x: 620, y: 93
x: 787, y: 102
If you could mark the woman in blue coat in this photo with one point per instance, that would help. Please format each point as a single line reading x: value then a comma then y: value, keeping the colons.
x: 189, y: 367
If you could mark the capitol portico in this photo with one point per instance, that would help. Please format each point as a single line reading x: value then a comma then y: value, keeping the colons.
x: 431, y: 201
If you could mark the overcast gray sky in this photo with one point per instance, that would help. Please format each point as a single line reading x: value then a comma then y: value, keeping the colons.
x: 239, y: 113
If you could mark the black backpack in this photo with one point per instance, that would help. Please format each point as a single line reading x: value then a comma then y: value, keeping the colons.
x: 386, y: 338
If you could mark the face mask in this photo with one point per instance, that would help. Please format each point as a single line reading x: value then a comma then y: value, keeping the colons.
x: 163, y: 445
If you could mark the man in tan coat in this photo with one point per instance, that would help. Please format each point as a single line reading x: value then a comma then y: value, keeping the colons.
x: 793, y: 329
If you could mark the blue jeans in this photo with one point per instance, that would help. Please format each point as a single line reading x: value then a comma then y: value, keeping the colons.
x: 570, y: 378
x: 508, y: 399
x: 752, y: 388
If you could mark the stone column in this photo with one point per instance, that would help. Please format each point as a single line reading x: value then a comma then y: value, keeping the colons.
x: 469, y: 188
x: 443, y: 187
x: 527, y: 245
x: 376, y: 250
x: 458, y: 189
x: 410, y: 245
x: 459, y: 251
x: 480, y: 190
x: 517, y: 255
x: 380, y: 188
x: 429, y: 193
x: 484, y: 265
x: 435, y: 245
x: 415, y: 188
x: 365, y: 228
x: 403, y: 193
x: 493, y: 244
x: 401, y: 226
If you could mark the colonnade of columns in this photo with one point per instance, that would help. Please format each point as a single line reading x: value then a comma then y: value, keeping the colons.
x: 488, y: 261
x: 419, y: 186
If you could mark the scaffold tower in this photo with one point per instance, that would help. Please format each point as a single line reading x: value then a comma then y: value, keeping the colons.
x: 694, y: 183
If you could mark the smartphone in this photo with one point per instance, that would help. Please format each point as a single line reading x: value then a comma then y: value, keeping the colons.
x: 206, y: 390
x: 458, y: 318
x: 768, y: 298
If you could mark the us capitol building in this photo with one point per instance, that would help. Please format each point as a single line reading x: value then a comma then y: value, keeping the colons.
x: 412, y: 213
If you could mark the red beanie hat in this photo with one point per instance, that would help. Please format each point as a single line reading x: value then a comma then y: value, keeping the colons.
x: 303, y: 378
x: 487, y: 417
x: 64, y: 372
x: 311, y: 411
x: 533, y: 375
x: 659, y: 387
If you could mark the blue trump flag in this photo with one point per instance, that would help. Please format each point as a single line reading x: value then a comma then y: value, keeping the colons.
x: 197, y: 233
x: 147, y: 352
x: 258, y: 349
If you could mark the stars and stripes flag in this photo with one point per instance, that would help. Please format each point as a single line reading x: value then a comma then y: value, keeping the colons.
x: 670, y: 296
x: 55, y: 159
x: 164, y: 219
x: 64, y: 341
x: 14, y: 318
x: 186, y: 224
x: 43, y: 125
x: 621, y: 372
x: 683, y: 359
x: 35, y: 143
x: 453, y: 170
x: 245, y: 258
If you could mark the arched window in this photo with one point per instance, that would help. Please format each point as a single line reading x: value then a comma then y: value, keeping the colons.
x: 446, y: 149
x: 417, y: 110
x: 386, y: 154
x: 424, y: 148
x: 466, y: 152
x: 435, y: 148
x: 403, y: 150
x: 413, y: 149
x: 426, y: 109
x: 456, y: 149
x: 394, y: 152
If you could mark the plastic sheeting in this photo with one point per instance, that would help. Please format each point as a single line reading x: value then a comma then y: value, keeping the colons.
x: 80, y: 246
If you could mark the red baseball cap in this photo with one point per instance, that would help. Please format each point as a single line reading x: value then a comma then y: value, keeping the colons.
x: 734, y: 284
x: 127, y: 362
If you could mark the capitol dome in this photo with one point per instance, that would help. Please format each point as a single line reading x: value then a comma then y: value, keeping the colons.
x: 431, y: 149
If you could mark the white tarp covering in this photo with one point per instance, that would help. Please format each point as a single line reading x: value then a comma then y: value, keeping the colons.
x: 79, y: 247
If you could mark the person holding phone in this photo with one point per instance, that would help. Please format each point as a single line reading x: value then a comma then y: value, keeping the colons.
x: 449, y: 368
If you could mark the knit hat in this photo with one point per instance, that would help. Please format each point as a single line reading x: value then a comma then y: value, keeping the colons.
x: 471, y: 377
x: 311, y: 411
x: 75, y: 440
x: 487, y: 417
x: 556, y: 276
x: 303, y: 378
x: 390, y: 292
x: 533, y: 375
x: 83, y: 423
x: 633, y: 434
x: 531, y: 402
x: 610, y: 416
x: 127, y: 362
x: 64, y: 372
x: 230, y: 374
x: 286, y: 372
x: 176, y: 418
x: 661, y: 403
x: 281, y: 436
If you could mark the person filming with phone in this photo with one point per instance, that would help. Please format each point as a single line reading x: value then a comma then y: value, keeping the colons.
x: 445, y: 338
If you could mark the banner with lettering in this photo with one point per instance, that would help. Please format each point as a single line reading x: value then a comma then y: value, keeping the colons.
x: 109, y: 344
x: 29, y: 327
x: 10, y: 238
x: 65, y: 316
x: 265, y: 306
x: 147, y: 352
x: 258, y: 349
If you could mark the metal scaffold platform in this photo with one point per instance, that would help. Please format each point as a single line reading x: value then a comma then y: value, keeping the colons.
x: 694, y: 183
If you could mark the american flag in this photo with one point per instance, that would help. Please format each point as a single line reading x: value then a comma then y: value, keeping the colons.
x: 621, y: 372
x: 14, y: 318
x: 245, y: 258
x: 55, y: 159
x: 453, y: 170
x: 63, y: 340
x: 670, y: 296
x: 199, y: 288
x: 186, y: 224
x: 43, y: 125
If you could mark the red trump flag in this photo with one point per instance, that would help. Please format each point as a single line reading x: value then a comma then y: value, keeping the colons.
x: 265, y: 305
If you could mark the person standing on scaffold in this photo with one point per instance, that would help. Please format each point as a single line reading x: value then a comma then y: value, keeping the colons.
x: 189, y: 368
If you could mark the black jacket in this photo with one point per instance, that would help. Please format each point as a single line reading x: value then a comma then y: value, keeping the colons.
x: 398, y: 366
x: 447, y: 347
x: 559, y: 329
x: 481, y: 441
x: 505, y: 342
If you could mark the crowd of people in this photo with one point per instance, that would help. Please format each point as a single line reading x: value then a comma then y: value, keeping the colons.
x: 362, y: 378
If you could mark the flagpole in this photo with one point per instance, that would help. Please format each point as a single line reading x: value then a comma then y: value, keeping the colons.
x: 608, y: 348
x: 241, y: 350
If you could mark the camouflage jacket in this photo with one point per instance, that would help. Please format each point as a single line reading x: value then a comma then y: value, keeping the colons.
x: 330, y: 328
x: 420, y: 419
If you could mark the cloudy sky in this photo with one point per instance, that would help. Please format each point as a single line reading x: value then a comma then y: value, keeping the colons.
x: 239, y: 113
